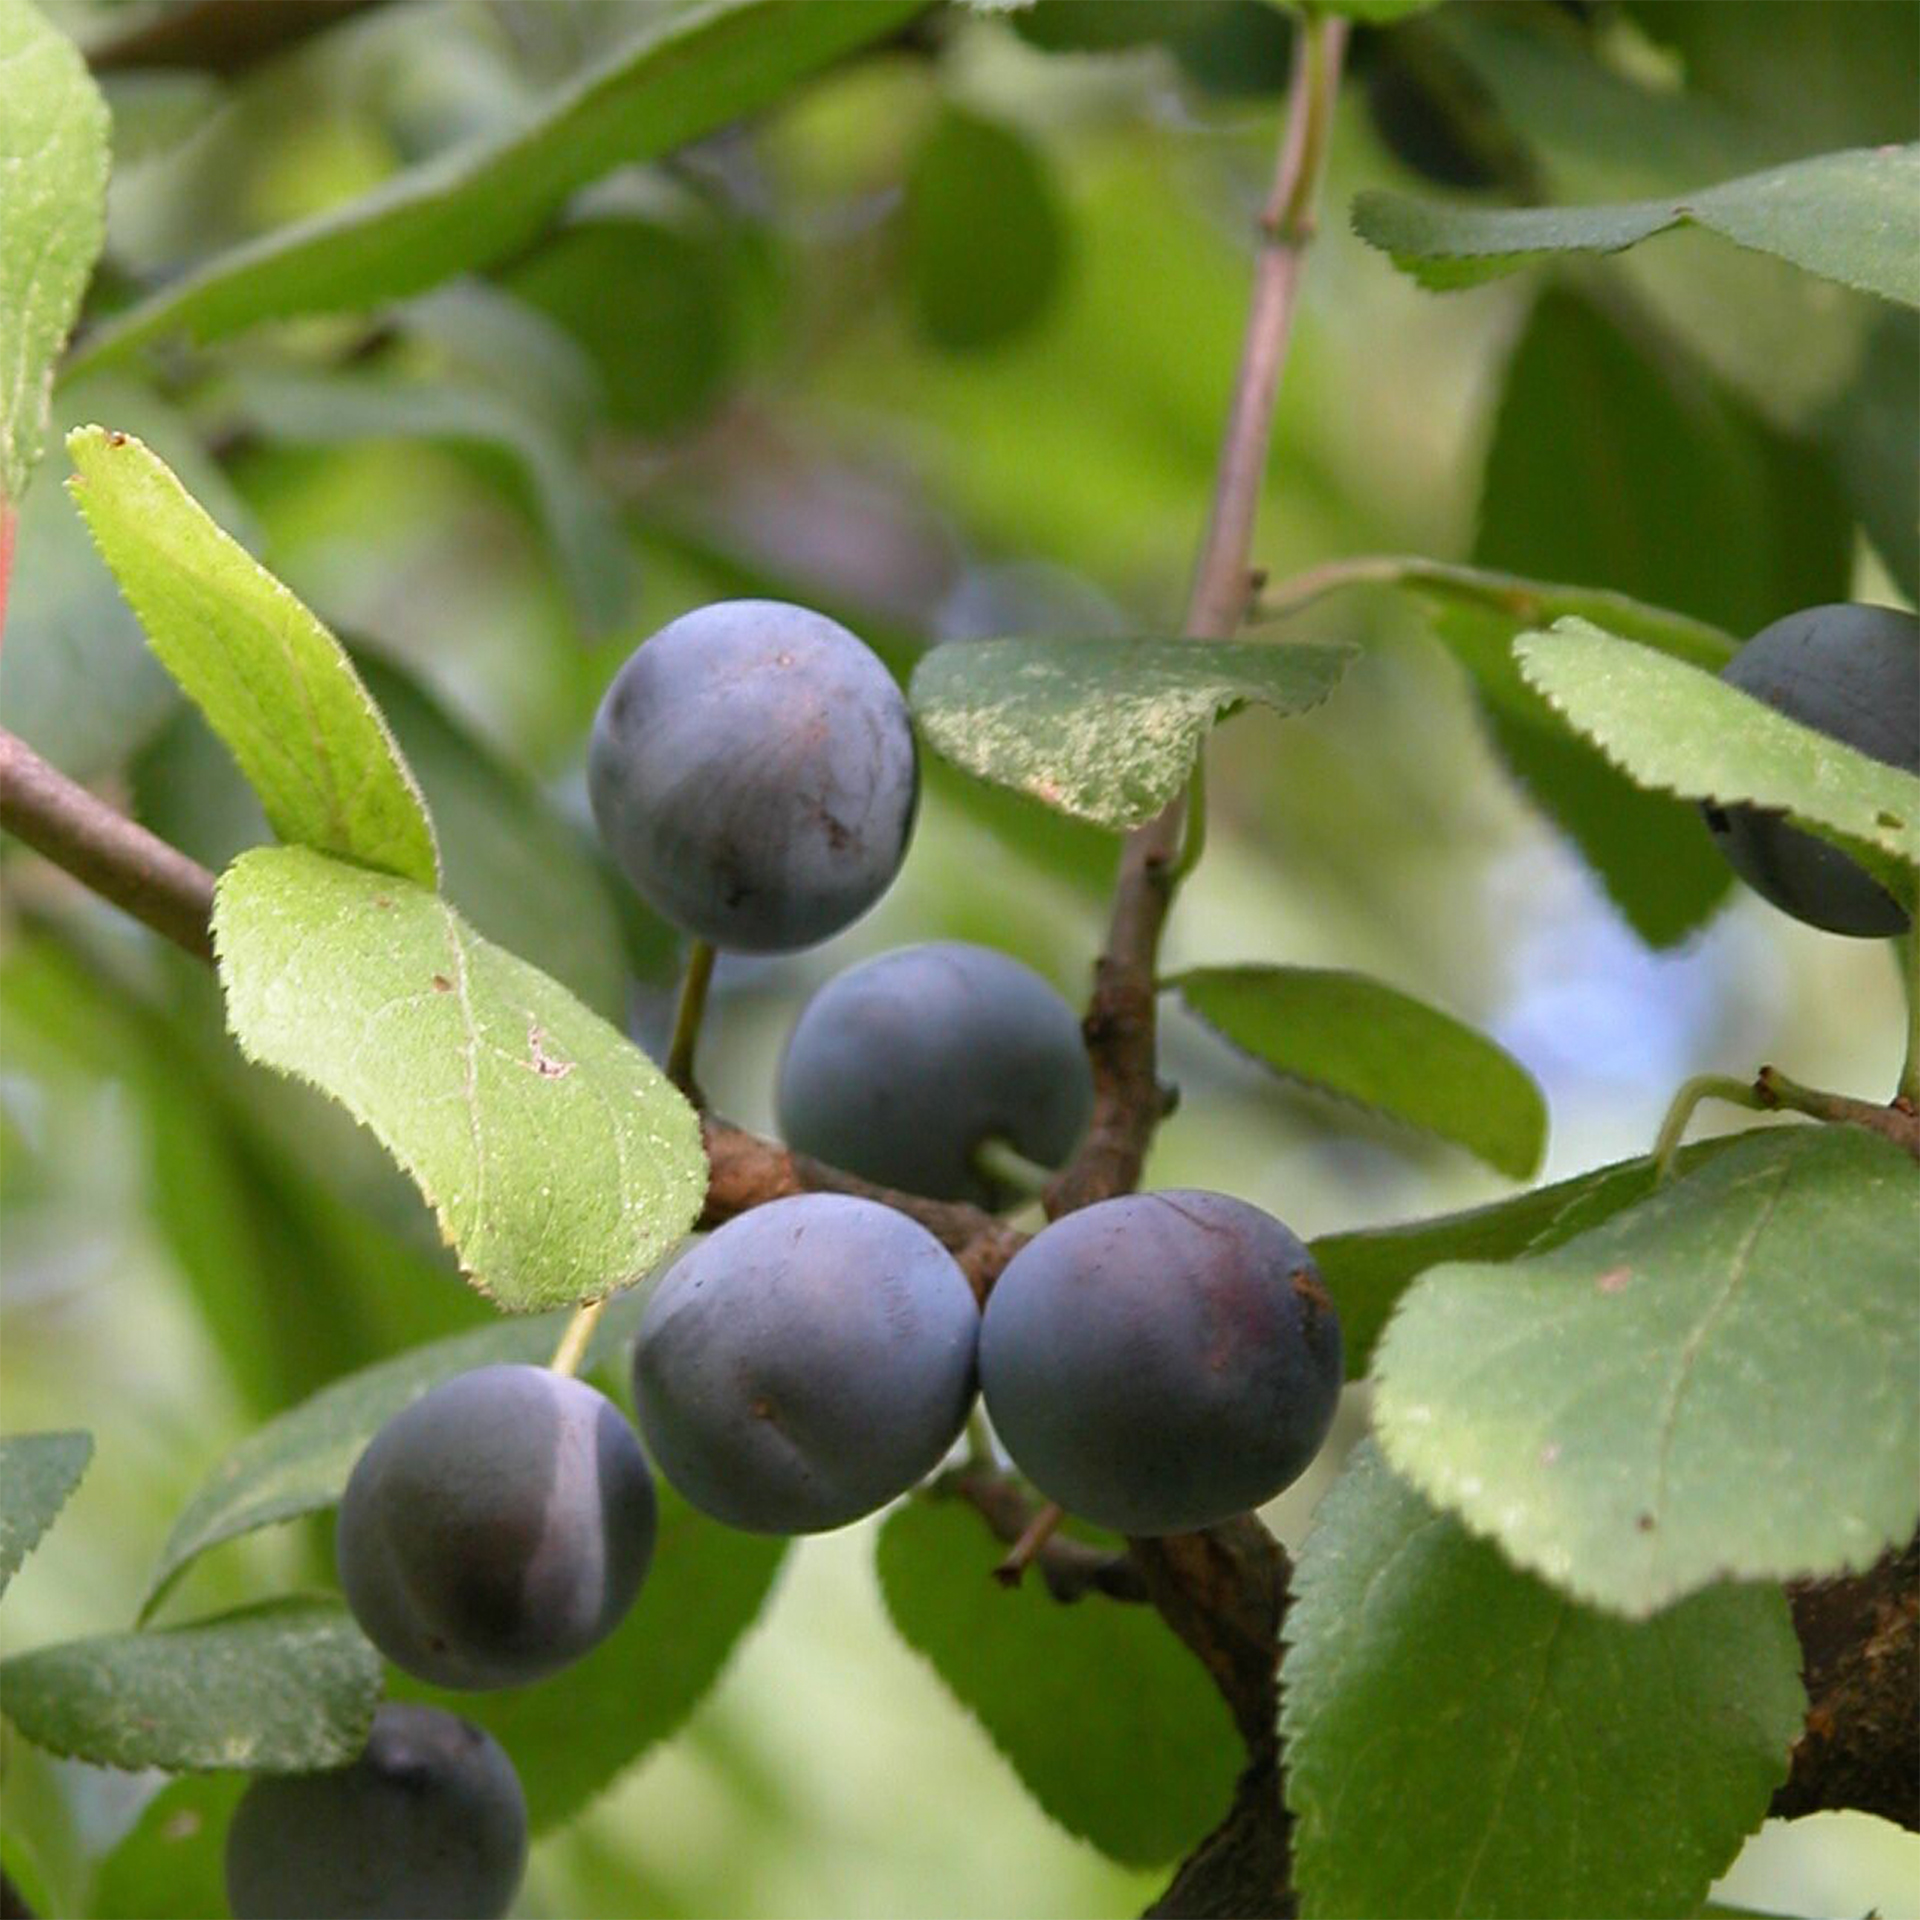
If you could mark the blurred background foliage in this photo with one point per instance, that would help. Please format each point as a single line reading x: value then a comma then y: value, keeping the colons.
x: 942, y: 346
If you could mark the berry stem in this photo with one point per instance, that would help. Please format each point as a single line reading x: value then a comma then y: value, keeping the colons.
x: 573, y: 1343
x: 1907, y: 952
x: 687, y: 1016
x: 1039, y: 1530
x: 1705, y: 1086
x: 1004, y: 1167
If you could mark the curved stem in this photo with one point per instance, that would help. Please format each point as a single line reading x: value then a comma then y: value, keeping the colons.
x: 1005, y: 1168
x: 573, y: 1343
x: 1907, y: 951
x: 687, y: 1016
x: 1038, y: 1531
x: 1705, y: 1086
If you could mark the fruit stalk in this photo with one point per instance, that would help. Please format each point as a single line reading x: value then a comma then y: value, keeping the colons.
x: 687, y: 1015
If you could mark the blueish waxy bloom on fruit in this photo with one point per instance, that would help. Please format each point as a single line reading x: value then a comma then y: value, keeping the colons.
x: 753, y: 771
x: 497, y: 1529
x: 806, y: 1363
x: 1162, y: 1361
x: 1853, y: 672
x: 900, y: 1069
x: 428, y: 1824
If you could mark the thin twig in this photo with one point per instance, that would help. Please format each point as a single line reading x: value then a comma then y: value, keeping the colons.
x: 1070, y: 1568
x: 573, y: 1343
x: 1033, y: 1537
x: 1898, y: 1122
x: 117, y: 857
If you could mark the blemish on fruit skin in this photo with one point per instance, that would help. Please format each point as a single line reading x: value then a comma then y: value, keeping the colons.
x: 1614, y: 1280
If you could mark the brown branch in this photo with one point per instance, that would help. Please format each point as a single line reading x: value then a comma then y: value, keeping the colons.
x: 1860, y: 1648
x: 117, y: 857
x: 1070, y: 1568
x: 219, y: 36
x: 1897, y: 1121
x: 1120, y: 1022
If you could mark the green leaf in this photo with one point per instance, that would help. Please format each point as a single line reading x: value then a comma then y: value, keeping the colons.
x: 1584, y: 404
x: 284, y: 1687
x: 173, y: 1858
x: 299, y: 1463
x: 37, y: 1473
x: 1717, y: 1382
x: 1361, y: 1040
x: 1845, y: 216
x: 1868, y: 429
x: 486, y: 200
x: 560, y: 1162
x: 570, y: 1736
x: 53, y: 218
x: 1111, y: 1724
x: 1669, y: 726
x: 984, y: 238
x: 272, y: 681
x: 1609, y: 437
x: 1374, y: 13
x: 332, y: 409
x: 509, y: 862
x: 1105, y: 730
x: 1367, y: 1270
x: 76, y: 679
x: 1462, y: 1739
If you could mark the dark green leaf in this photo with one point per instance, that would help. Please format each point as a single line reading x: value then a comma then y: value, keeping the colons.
x: 1601, y: 450
x: 37, y: 1473
x: 173, y: 1860
x: 1111, y: 1724
x: 1717, y: 1382
x: 1845, y: 216
x: 474, y: 204
x: 655, y: 304
x: 1105, y: 730
x: 299, y: 1463
x: 1361, y: 1040
x: 570, y: 1736
x: 985, y: 242
x: 1462, y: 1739
x: 1869, y: 429
x: 284, y: 1687
x: 1369, y: 1269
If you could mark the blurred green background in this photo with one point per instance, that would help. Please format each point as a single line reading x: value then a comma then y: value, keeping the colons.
x: 942, y: 346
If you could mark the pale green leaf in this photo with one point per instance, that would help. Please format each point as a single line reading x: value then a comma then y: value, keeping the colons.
x: 284, y: 1687
x: 173, y: 1858
x: 1105, y: 730
x: 37, y: 1473
x: 1853, y: 217
x: 76, y: 678
x: 298, y: 1463
x: 681, y: 80
x: 1369, y: 1268
x: 1461, y: 1739
x: 1673, y: 728
x: 53, y: 214
x: 560, y: 1162
x: 1362, y: 1040
x: 1716, y: 1382
x: 272, y: 681
x: 1372, y: 13
x: 572, y: 1735
x: 1111, y: 1724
